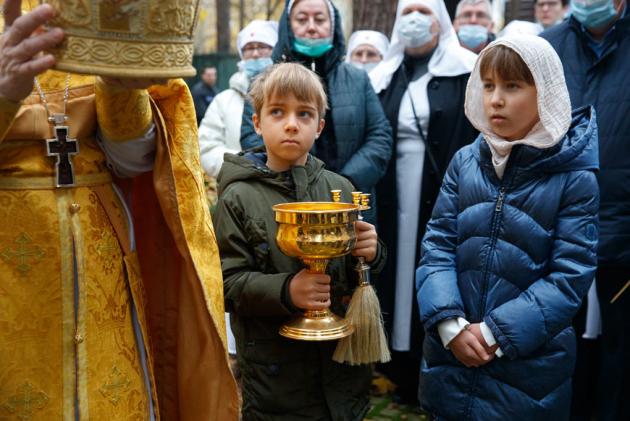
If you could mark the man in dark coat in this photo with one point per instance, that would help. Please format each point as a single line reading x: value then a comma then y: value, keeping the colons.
x: 203, y: 92
x: 596, y: 64
x: 356, y: 141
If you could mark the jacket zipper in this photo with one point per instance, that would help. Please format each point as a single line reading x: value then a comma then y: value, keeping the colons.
x: 496, y: 218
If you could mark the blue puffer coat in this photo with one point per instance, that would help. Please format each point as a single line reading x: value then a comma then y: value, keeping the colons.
x: 518, y: 254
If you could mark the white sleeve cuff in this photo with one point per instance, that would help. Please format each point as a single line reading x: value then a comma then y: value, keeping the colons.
x: 449, y: 329
x: 130, y: 158
x: 489, y: 338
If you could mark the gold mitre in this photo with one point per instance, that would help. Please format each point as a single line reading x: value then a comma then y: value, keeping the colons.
x: 126, y: 38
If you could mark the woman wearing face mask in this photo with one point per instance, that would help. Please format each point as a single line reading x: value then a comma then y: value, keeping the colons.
x: 220, y: 129
x: 366, y: 49
x: 421, y: 83
x: 356, y: 140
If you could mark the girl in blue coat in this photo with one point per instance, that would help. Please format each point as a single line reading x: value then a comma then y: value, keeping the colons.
x: 511, y: 247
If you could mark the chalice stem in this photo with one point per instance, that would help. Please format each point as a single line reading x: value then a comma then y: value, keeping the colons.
x: 316, y: 266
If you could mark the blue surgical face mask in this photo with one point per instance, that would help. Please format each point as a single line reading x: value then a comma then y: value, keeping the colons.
x: 414, y: 29
x: 254, y: 66
x: 593, y: 14
x: 312, y: 47
x: 472, y: 36
x: 365, y: 66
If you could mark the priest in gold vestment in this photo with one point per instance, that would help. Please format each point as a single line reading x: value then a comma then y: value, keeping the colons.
x: 111, y: 302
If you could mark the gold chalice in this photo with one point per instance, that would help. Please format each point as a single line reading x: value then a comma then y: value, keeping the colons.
x: 316, y: 232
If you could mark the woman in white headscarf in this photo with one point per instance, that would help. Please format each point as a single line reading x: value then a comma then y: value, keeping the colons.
x: 421, y: 84
x: 220, y: 129
x: 366, y: 49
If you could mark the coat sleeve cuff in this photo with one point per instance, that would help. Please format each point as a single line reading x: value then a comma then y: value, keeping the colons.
x: 379, y: 261
x: 286, y: 295
x: 123, y: 114
x: 489, y: 338
x: 431, y: 322
x: 504, y: 344
x: 449, y: 329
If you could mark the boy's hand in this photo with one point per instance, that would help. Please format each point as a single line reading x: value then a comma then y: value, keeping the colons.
x: 366, y: 241
x: 310, y: 291
x: 468, y: 350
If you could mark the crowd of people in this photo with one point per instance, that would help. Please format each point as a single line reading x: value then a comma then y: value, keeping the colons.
x: 497, y: 166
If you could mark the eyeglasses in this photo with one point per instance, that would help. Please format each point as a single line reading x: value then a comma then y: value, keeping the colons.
x: 470, y: 15
x: 259, y: 48
x: 543, y: 4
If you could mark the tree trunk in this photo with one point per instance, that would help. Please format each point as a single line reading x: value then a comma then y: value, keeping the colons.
x: 223, y: 26
x: 241, y: 14
x: 377, y: 15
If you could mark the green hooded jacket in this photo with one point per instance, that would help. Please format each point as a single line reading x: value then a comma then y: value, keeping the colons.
x: 283, y: 379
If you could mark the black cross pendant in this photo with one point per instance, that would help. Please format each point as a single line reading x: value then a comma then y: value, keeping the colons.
x: 63, y: 147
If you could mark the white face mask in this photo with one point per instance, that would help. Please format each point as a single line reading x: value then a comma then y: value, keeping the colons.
x: 365, y: 66
x: 414, y: 29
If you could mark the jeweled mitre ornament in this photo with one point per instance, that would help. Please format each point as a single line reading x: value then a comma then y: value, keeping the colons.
x: 126, y: 38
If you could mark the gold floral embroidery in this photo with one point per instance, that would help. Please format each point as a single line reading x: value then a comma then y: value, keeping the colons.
x: 26, y: 401
x: 123, y: 114
x: 116, y: 384
x: 23, y: 254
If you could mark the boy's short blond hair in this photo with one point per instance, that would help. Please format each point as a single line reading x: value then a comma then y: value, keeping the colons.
x: 288, y: 78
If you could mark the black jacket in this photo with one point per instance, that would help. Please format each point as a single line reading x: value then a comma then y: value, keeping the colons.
x: 202, y: 96
x: 449, y: 130
x: 604, y: 83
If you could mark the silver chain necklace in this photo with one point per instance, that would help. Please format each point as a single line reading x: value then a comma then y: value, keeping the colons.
x: 61, y: 146
x: 54, y: 118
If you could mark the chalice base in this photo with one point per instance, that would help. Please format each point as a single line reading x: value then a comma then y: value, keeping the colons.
x: 317, y: 326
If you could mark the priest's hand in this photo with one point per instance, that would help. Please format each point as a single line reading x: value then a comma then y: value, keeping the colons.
x: 21, y: 47
x: 132, y: 83
x: 469, y: 350
x: 367, y: 241
x: 310, y: 291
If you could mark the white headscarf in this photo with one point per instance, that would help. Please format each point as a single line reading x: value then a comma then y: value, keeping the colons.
x: 376, y: 39
x: 554, y: 103
x: 263, y: 31
x: 331, y: 12
x: 448, y: 59
x: 521, y: 27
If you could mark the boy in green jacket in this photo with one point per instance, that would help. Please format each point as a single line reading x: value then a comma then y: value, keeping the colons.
x: 285, y: 379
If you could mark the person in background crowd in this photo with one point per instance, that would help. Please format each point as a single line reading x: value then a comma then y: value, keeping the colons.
x: 473, y: 24
x: 204, y: 92
x: 421, y: 83
x: 594, y: 46
x: 550, y: 12
x: 220, y: 129
x: 520, y: 27
x: 356, y: 141
x: 366, y: 49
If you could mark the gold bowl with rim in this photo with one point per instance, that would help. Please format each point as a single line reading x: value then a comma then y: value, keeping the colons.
x: 316, y: 232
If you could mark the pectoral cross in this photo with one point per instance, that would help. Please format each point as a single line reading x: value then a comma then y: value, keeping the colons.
x: 63, y: 147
